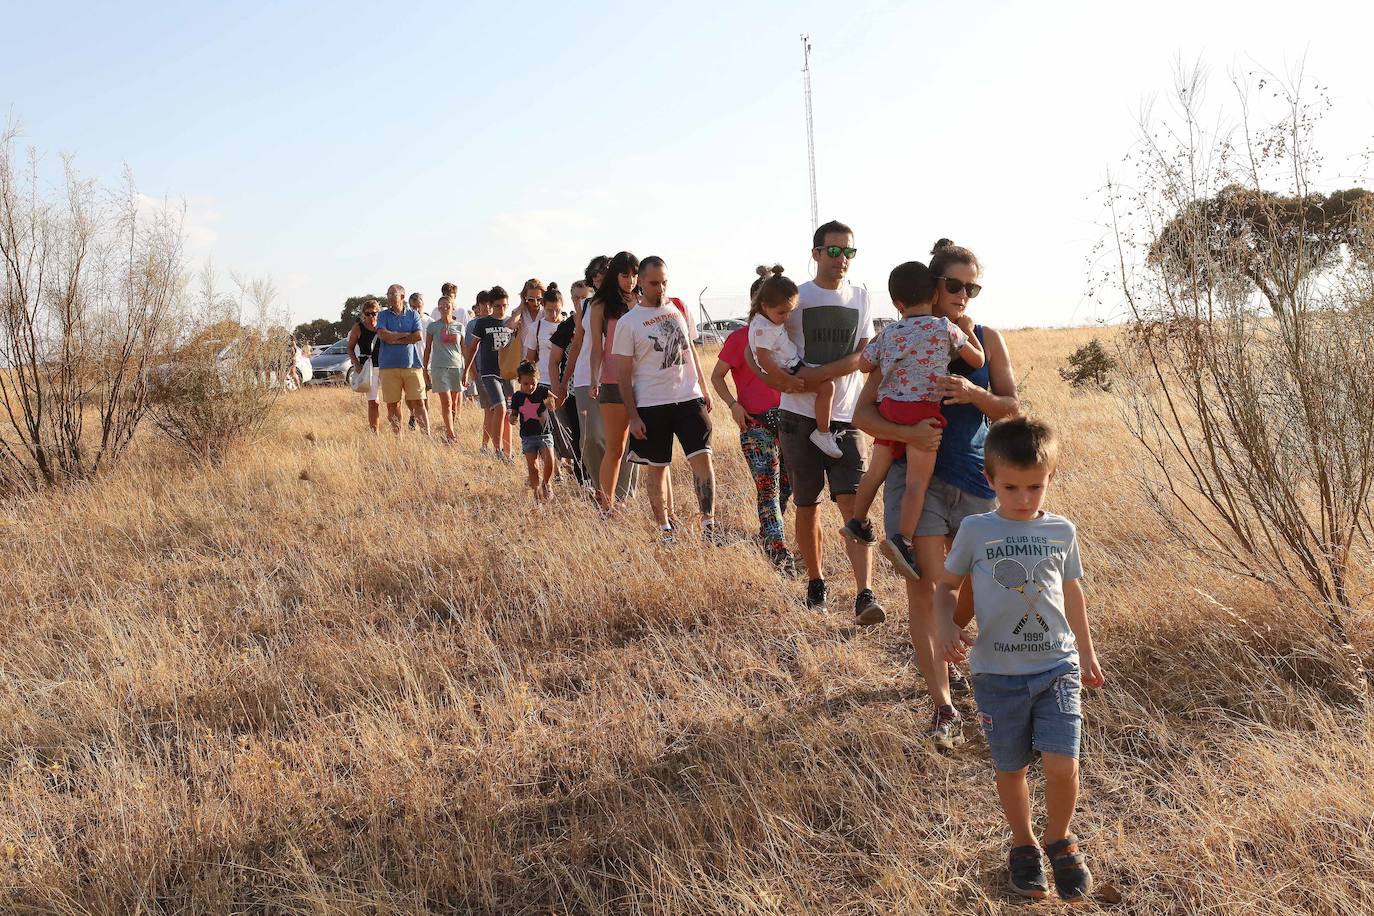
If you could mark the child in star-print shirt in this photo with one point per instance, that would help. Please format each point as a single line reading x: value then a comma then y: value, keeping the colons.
x: 529, y: 406
x: 913, y: 355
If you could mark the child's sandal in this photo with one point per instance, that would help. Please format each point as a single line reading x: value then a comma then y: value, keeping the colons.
x: 1072, y: 880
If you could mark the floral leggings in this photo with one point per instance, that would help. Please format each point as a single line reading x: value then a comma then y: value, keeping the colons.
x: 761, y: 452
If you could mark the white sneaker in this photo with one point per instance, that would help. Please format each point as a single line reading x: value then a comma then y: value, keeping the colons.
x: 484, y: 451
x: 826, y: 443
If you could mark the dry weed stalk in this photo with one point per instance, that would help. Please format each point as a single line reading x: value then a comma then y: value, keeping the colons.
x: 88, y: 282
x: 1251, y: 352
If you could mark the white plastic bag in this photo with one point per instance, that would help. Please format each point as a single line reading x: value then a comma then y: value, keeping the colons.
x: 362, y: 379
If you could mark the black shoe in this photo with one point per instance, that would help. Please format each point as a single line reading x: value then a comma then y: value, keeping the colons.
x: 867, y: 610
x: 1026, y: 872
x: 1072, y: 880
x: 712, y: 534
x: 815, y: 593
x: 860, y: 532
x: 411, y: 424
x: 898, y: 553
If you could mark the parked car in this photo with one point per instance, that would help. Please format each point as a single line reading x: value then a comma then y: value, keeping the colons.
x: 715, y: 332
x: 331, y: 363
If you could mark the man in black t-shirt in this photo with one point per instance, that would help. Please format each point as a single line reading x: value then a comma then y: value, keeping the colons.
x: 486, y: 338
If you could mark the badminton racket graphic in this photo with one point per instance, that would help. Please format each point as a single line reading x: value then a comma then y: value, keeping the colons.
x: 1011, y: 574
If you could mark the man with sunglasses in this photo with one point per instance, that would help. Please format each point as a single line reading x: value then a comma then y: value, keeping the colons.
x: 830, y: 327
x: 398, y: 358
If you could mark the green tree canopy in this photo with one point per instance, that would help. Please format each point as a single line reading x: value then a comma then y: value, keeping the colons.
x: 324, y: 331
x: 1243, y: 239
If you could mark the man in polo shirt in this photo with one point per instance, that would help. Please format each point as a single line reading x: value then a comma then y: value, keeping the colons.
x: 398, y: 360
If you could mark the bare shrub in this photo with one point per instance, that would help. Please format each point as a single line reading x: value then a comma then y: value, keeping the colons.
x: 1251, y: 350
x: 89, y: 279
x: 221, y: 385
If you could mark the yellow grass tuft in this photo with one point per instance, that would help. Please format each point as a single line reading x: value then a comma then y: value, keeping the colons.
x: 347, y: 674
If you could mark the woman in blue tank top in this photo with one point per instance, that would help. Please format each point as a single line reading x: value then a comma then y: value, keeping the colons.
x: 973, y: 399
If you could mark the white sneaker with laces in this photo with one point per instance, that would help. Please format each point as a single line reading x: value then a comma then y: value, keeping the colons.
x: 826, y: 443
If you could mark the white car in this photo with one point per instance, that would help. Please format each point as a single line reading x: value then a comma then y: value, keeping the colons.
x: 715, y: 332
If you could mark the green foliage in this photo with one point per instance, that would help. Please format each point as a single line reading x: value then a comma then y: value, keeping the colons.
x: 1090, y: 366
x: 324, y: 331
x: 1245, y: 238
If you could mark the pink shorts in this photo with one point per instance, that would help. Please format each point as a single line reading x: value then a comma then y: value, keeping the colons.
x: 907, y: 413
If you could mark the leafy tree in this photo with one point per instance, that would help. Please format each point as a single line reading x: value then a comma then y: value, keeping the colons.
x: 1090, y: 365
x: 319, y: 331
x: 1246, y: 238
x: 324, y: 331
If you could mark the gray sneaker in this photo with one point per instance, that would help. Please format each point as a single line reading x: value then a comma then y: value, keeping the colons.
x: 946, y: 728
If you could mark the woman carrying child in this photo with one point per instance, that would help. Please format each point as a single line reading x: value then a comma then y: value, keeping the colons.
x: 970, y: 398
x: 529, y: 407
x: 911, y: 356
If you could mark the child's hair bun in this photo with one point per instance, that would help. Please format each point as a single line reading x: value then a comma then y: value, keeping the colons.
x: 553, y: 285
x: 942, y: 243
x: 777, y: 270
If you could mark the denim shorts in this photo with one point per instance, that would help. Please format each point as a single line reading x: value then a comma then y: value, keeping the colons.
x: 945, y: 508
x: 1022, y: 713
x: 531, y: 444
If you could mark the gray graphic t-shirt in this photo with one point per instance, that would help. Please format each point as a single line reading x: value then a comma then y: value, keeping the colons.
x: 1019, y: 570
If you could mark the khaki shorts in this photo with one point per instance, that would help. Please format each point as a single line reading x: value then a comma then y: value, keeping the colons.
x: 402, y: 384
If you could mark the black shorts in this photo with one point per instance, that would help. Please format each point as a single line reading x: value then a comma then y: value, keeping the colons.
x: 687, y: 420
x: 609, y: 393
x: 809, y: 469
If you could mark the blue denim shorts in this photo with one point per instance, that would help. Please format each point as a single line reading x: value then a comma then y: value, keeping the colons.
x: 1022, y: 713
x: 531, y: 444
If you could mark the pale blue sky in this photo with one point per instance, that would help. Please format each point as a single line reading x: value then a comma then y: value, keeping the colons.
x: 342, y: 147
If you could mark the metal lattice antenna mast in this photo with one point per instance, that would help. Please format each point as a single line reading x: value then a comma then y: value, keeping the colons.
x: 810, y: 128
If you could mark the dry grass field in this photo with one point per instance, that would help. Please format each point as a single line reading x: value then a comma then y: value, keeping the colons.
x: 347, y: 674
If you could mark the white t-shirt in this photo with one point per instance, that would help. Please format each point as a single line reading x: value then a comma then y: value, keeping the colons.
x: 536, y: 337
x: 659, y: 341
x: 826, y: 325
x: 765, y: 335
x: 582, y: 369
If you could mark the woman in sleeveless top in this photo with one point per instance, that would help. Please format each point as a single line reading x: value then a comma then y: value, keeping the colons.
x: 973, y: 398
x: 612, y: 300
x: 362, y: 350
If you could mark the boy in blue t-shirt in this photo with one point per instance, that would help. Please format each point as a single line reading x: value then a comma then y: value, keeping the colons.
x: 1033, y: 652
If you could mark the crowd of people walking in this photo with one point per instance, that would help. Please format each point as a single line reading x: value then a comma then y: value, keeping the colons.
x: 601, y: 389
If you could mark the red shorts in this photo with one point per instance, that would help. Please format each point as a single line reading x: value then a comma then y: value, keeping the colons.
x: 907, y: 413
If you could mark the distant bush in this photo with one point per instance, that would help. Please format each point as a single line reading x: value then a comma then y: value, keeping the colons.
x: 1090, y: 366
x: 220, y: 389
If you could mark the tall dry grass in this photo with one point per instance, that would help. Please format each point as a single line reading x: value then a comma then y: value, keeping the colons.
x: 346, y: 674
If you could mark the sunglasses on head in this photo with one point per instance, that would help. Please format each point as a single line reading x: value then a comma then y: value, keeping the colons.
x: 954, y: 287
x: 836, y: 250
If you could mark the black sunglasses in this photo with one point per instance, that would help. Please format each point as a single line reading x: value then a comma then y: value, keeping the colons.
x: 372, y: 312
x: 954, y: 287
x: 836, y: 250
